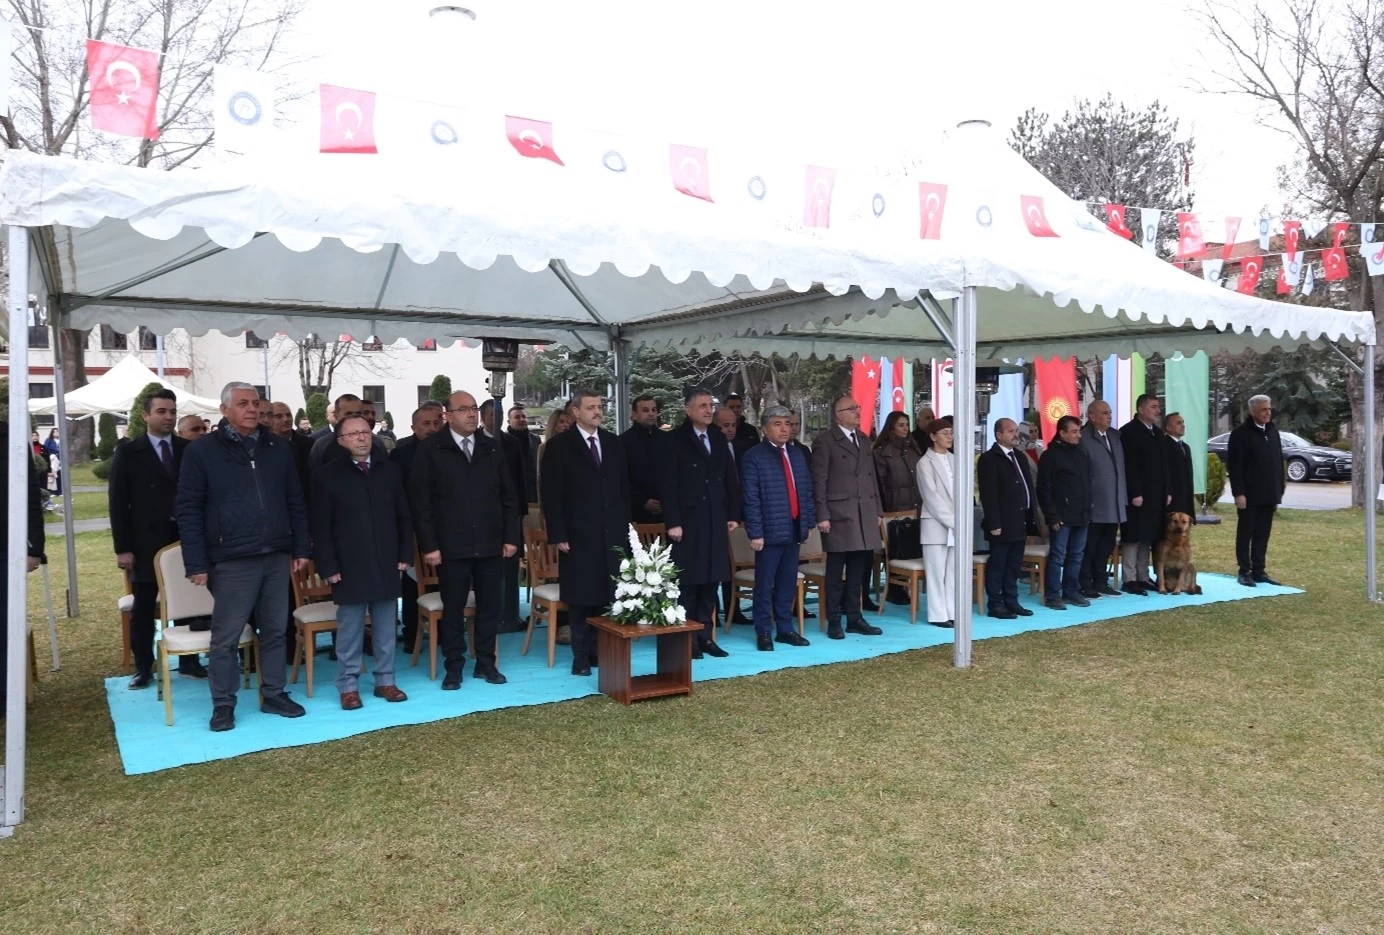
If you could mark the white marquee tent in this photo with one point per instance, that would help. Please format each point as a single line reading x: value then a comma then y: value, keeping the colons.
x: 115, y: 391
x: 604, y: 252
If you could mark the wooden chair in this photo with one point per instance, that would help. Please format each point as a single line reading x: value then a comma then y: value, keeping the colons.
x: 978, y: 566
x: 31, y: 670
x: 430, y: 613
x: 907, y: 572
x: 313, y: 613
x: 1114, y: 566
x: 812, y: 562
x: 545, y: 600
x: 126, y: 606
x: 180, y: 599
x: 650, y: 533
x: 533, y: 519
x: 742, y: 573
x: 1035, y: 564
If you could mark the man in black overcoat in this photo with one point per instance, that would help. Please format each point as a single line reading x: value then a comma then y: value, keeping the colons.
x: 141, y: 489
x: 32, y: 503
x: 427, y: 421
x: 1007, y: 499
x: 1183, y: 499
x: 513, y: 451
x: 700, y: 493
x: 585, y: 495
x: 1254, y: 464
x: 1146, y: 485
x: 644, y: 445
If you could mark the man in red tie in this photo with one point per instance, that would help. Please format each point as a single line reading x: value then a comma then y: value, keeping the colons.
x: 776, y: 490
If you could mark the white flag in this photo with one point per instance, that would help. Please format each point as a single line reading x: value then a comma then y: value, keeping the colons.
x: 1292, y: 270
x: 6, y: 47
x: 1374, y: 257
x: 1310, y: 282
x: 1211, y: 270
x: 1149, y: 217
x: 1265, y: 231
x: 1368, y: 233
x: 244, y: 110
x: 1313, y: 226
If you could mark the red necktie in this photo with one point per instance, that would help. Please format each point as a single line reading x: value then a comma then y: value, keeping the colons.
x: 792, y: 488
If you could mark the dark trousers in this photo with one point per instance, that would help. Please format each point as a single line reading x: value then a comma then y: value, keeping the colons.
x: 1252, y: 538
x: 699, y: 600
x: 509, y: 608
x: 257, y: 584
x: 408, y: 593
x: 845, y: 596
x: 583, y: 633
x: 1100, y: 542
x: 776, y: 588
x: 146, y: 594
x: 456, y: 579
x: 1002, y: 574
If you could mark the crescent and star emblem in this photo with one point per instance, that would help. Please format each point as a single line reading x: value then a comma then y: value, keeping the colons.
x: 349, y: 107
x: 118, y: 66
x: 532, y: 138
x: 691, y: 172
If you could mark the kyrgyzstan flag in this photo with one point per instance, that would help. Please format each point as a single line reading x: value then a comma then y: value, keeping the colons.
x: 124, y: 89
x: 865, y: 388
x: 1056, y: 386
x: 348, y: 120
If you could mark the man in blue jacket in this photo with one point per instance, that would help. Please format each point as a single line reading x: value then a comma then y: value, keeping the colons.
x: 776, y: 490
x: 241, y: 515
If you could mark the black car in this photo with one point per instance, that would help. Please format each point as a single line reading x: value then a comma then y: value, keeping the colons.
x: 1304, y: 459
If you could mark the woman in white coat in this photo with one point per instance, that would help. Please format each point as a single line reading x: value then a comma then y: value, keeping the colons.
x: 938, y: 523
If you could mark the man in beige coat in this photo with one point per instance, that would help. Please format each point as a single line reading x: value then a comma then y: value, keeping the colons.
x: 848, y: 511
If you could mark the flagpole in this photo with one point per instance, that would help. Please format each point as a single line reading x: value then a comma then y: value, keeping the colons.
x: 964, y: 424
x: 1371, y: 463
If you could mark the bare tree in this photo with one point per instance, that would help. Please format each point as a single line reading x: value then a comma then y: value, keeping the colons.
x: 318, y: 361
x: 1317, y: 73
x: 50, y: 97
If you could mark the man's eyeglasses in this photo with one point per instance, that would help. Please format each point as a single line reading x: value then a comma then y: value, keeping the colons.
x: 354, y: 434
x: 849, y: 409
x: 465, y: 410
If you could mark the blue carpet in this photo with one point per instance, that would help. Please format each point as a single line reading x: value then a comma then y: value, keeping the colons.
x: 148, y: 745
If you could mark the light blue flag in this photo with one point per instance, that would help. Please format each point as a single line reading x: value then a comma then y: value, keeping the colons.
x: 1007, y: 403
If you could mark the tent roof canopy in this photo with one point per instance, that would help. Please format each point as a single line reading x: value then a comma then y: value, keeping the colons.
x: 494, y: 245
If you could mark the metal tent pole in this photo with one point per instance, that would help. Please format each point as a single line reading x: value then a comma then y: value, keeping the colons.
x: 55, y: 318
x: 620, y: 354
x: 17, y: 534
x: 964, y: 407
x: 1371, y: 481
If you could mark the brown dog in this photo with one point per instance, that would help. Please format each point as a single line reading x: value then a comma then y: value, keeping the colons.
x: 1172, y: 556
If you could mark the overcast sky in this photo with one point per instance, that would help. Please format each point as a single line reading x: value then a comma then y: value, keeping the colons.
x: 865, y: 76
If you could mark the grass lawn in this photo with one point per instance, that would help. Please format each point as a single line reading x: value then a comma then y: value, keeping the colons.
x: 1212, y: 769
x: 84, y: 506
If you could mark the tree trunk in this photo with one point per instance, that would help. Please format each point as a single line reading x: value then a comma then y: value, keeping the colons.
x: 82, y: 431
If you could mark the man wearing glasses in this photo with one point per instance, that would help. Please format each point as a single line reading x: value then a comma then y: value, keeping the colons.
x: 848, y: 510
x: 466, y: 515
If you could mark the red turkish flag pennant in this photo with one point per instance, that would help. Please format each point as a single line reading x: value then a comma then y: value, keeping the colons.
x: 1116, y: 221
x: 1249, y: 274
x: 1334, y: 264
x: 1232, y: 230
x: 1190, y: 245
x: 532, y: 139
x: 865, y: 387
x: 1281, y: 283
x: 1292, y: 237
x: 932, y: 205
x: 348, y: 120
x: 1035, y: 217
x: 1338, y: 232
x: 124, y: 89
x: 691, y: 171
x: 817, y: 190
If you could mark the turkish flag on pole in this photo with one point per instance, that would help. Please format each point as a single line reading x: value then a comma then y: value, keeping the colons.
x: 932, y: 204
x: 1190, y: 245
x: 1232, y: 230
x: 1056, y: 388
x: 1249, y: 274
x: 865, y: 387
x: 348, y: 120
x: 1116, y: 220
x: 817, y: 189
x: 1292, y: 236
x: 532, y: 138
x: 124, y: 89
x: 1035, y: 217
x: 691, y: 171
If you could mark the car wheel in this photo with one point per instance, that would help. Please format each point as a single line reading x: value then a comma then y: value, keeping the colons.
x: 1297, y: 470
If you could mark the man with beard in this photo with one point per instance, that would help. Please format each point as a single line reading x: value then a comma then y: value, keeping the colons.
x: 644, y: 447
x: 518, y: 429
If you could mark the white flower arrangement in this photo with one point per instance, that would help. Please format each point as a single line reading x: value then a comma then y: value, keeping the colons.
x: 646, y: 590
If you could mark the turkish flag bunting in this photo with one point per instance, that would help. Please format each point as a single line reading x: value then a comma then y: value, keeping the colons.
x: 1334, y: 264
x: 348, y: 120
x: 1374, y: 257
x: 1292, y: 237
x: 865, y: 387
x: 1035, y: 217
x: 1232, y: 230
x: 1280, y: 285
x: 691, y: 171
x: 932, y: 204
x: 1190, y: 244
x: 1056, y: 391
x: 532, y: 138
x: 124, y: 89
x: 1249, y: 274
x: 1338, y: 232
x: 818, y: 186
x: 1115, y: 220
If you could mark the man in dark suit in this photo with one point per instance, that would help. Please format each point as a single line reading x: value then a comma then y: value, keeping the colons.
x: 644, y: 445
x: 518, y: 429
x: 513, y: 453
x: 33, y: 506
x: 324, y: 446
x: 1254, y: 463
x: 142, y: 487
x: 585, y: 492
x: 700, y: 494
x: 1006, y: 499
x: 281, y: 424
x: 746, y: 435
x: 795, y: 430
x: 362, y: 539
x: 726, y: 421
x: 1146, y: 485
x: 466, y: 515
x: 1180, y: 481
x: 920, y: 434
x: 427, y: 420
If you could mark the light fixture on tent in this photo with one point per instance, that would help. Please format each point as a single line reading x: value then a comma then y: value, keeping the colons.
x: 452, y: 13
x: 988, y: 384
x: 501, y: 357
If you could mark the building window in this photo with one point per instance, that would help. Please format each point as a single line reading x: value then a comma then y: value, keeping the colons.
x: 429, y: 345
x: 371, y: 343
x: 42, y: 391
x: 254, y: 343
x: 424, y: 392
x: 263, y: 391
x: 313, y: 342
x: 112, y: 340
x: 148, y: 341
x: 374, y: 394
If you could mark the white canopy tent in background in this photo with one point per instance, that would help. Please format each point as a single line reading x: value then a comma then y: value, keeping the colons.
x: 115, y: 391
x: 604, y: 252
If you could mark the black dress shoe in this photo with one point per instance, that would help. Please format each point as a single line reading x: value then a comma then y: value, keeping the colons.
x: 945, y: 624
x: 1135, y: 587
x: 764, y: 644
x: 491, y: 675
x: 869, y: 605
x: 740, y: 619
x: 711, y: 649
x: 696, y: 652
x: 834, y: 632
x: 1019, y: 611
x: 864, y: 628
x: 1002, y: 613
x: 579, y: 668
x: 143, y: 678
x: 1090, y: 593
x: 190, y: 668
x: 282, y: 705
x: 1055, y: 603
x: 1246, y: 580
x: 1079, y: 601
x: 223, y: 718
x: 792, y: 639
x: 451, y: 681
x: 1262, y: 578
x: 1107, y: 591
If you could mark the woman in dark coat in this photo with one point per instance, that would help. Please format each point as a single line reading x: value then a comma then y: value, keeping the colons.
x: 896, y: 465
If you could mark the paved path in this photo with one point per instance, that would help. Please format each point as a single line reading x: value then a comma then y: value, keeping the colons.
x: 1313, y: 495
x: 81, y: 525
x: 88, y: 488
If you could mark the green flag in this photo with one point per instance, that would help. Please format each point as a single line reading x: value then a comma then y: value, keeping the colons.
x: 1188, y: 381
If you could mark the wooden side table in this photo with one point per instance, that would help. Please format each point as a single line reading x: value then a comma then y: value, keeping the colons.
x: 674, y: 675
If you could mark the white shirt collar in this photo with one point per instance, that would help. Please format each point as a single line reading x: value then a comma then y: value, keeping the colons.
x: 460, y: 439
x: 587, y: 435
x: 846, y: 433
x: 366, y: 462
x: 155, y: 439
